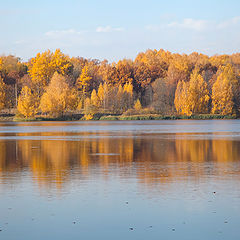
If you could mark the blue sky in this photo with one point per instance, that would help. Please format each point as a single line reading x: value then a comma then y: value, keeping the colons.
x: 118, y: 29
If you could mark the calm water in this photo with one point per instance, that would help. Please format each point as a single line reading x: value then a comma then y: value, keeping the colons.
x: 120, y: 180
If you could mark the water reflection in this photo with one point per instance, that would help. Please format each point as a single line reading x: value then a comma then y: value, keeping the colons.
x: 55, y: 158
x: 96, y: 180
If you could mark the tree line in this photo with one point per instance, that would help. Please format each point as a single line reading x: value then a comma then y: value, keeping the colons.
x: 53, y: 84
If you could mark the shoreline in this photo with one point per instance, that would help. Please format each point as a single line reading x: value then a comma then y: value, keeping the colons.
x: 102, y: 117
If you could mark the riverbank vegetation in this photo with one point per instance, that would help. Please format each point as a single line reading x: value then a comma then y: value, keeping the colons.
x: 155, y: 85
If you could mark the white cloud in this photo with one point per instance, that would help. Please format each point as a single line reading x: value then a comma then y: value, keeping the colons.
x: 107, y: 29
x: 189, y: 23
x: 207, y: 36
x: 61, y: 33
x: 229, y: 23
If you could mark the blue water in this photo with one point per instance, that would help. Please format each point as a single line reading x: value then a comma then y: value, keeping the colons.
x: 120, y: 180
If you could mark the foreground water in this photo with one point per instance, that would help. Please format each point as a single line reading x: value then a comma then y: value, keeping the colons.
x: 120, y: 180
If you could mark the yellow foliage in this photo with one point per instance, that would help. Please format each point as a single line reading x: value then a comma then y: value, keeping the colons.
x: 181, y: 99
x: 87, y: 103
x: 44, y: 65
x: 137, y: 105
x: 192, y: 97
x: 120, y: 91
x: 88, y: 116
x: 101, y: 94
x: 2, y: 93
x: 27, y: 103
x: 103, y: 91
x: 94, y: 98
x: 128, y: 87
x: 1, y: 63
x: 84, y: 81
x: 80, y: 104
x: 58, y: 96
x: 223, y: 91
x: 198, y: 95
x: 181, y: 62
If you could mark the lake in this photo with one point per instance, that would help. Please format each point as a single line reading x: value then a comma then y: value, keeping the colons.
x: 120, y: 180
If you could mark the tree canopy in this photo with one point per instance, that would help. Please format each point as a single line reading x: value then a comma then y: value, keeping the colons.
x: 158, y: 80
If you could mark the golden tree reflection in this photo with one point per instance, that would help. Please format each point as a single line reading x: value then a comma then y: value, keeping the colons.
x: 54, y: 159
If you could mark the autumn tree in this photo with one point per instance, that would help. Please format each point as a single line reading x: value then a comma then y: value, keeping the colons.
x: 44, y: 65
x: 198, y: 95
x: 181, y: 98
x: 124, y: 72
x: 108, y: 73
x: 2, y: 94
x: 12, y: 70
x: 224, y: 90
x: 84, y: 83
x: 137, y: 105
x: 119, y: 101
x: 58, y: 97
x: 192, y: 97
x: 94, y: 98
x: 128, y: 94
x: 89, y: 109
x: 163, y: 101
x: 142, y: 76
x: 27, y: 103
x: 101, y: 94
x: 78, y: 64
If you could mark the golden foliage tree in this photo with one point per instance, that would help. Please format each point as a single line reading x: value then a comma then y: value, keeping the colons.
x: 137, y: 105
x: 44, y: 65
x: 181, y: 98
x: 2, y: 94
x: 193, y: 96
x: 223, y: 91
x: 94, y: 98
x: 58, y: 97
x: 83, y: 83
x: 27, y: 103
x: 128, y: 95
x: 88, y: 109
x: 128, y: 87
x: 198, y: 95
x: 87, y: 104
x: 101, y: 94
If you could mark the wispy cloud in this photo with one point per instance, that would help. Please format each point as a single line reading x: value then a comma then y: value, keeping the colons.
x: 207, y: 36
x: 60, y: 33
x: 229, y: 23
x: 108, y: 29
x: 189, y: 23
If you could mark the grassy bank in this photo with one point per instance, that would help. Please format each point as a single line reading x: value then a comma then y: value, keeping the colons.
x: 6, y: 117
x: 102, y: 117
x: 167, y: 117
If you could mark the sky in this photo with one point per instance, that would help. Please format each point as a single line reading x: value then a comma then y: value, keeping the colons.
x: 115, y: 30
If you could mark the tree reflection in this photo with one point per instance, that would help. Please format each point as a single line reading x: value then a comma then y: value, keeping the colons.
x: 54, y: 159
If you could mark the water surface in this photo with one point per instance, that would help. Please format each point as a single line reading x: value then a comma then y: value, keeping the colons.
x: 120, y: 180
